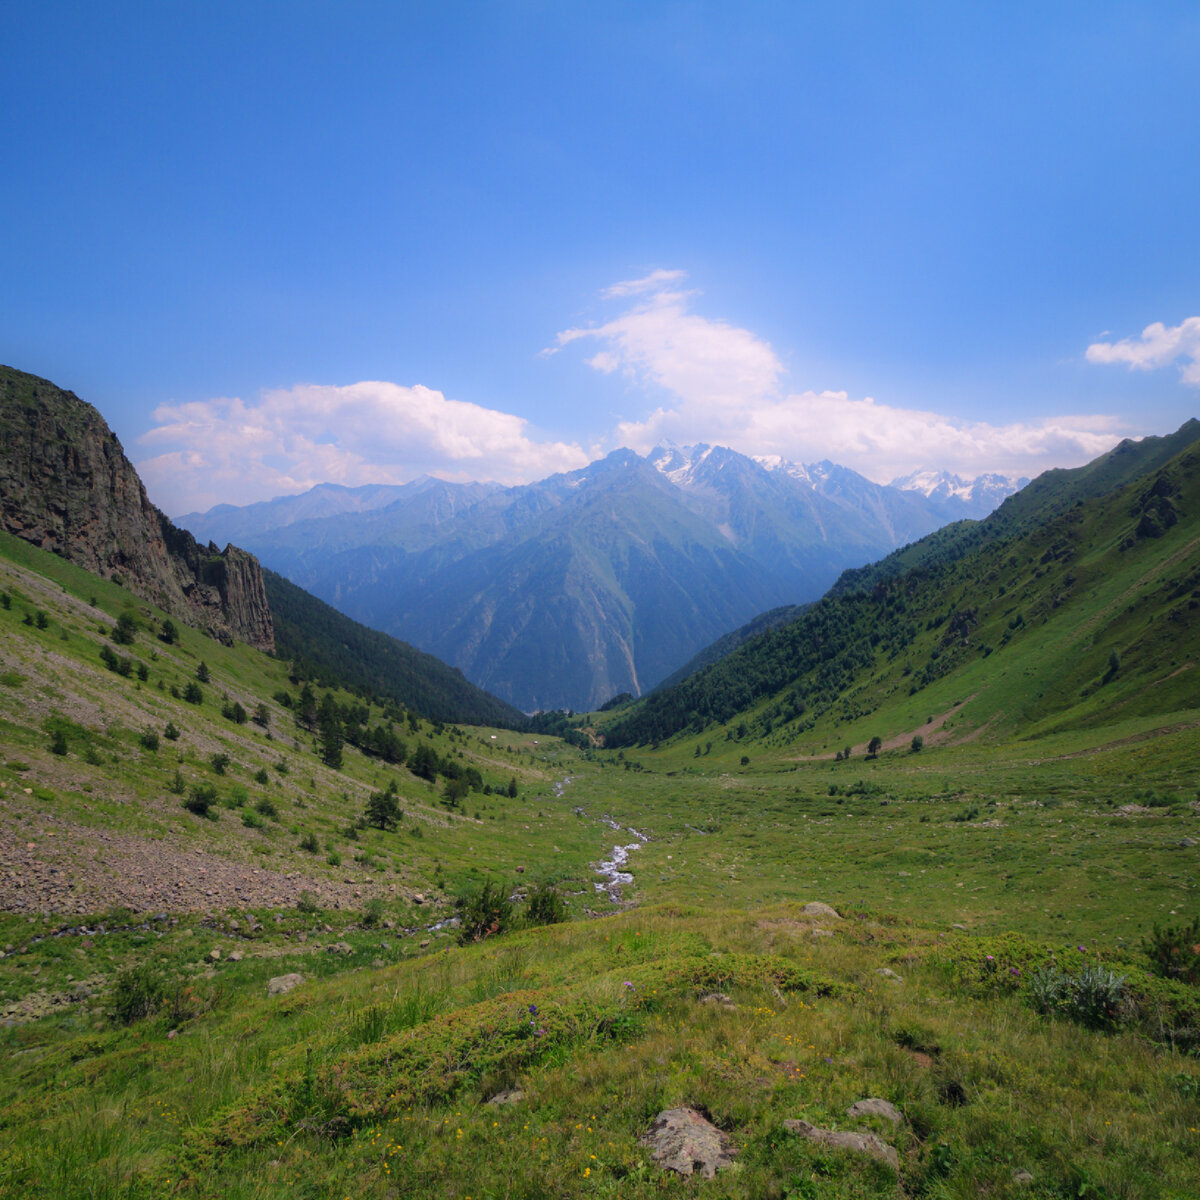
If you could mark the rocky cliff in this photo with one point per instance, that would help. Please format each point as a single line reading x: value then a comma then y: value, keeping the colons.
x: 66, y: 486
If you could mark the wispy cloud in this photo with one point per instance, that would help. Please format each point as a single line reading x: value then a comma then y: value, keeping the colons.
x: 714, y: 382
x: 1159, y: 345
x: 228, y: 450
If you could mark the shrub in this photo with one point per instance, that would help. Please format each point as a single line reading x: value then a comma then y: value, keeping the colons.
x: 372, y: 912
x: 546, y: 907
x: 220, y: 763
x: 149, y: 739
x: 137, y: 992
x: 193, y: 693
x: 483, y: 912
x: 1094, y: 995
x: 201, y: 799
x: 267, y: 808
x: 251, y: 819
x: 309, y: 842
x: 58, y: 742
x: 172, y: 732
x: 918, y: 743
x: 261, y: 776
x: 202, y: 672
x: 307, y: 902
x: 1174, y: 951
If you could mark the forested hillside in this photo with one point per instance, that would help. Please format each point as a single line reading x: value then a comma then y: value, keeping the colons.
x: 1112, y: 581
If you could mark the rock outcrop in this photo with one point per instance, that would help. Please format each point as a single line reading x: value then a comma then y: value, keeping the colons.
x: 66, y: 486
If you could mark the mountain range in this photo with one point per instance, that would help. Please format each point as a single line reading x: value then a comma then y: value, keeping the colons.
x: 568, y: 591
x: 1073, y: 604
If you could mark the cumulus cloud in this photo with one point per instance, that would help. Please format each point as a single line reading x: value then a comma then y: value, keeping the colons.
x: 1159, y: 345
x: 661, y: 342
x: 716, y: 383
x: 228, y: 450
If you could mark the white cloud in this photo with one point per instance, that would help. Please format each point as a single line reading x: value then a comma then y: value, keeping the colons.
x: 230, y: 451
x: 723, y: 386
x: 879, y: 441
x: 1158, y: 346
x: 660, y: 342
x: 648, y: 283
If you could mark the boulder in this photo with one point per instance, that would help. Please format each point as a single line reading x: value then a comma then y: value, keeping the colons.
x: 283, y: 983
x: 683, y: 1141
x: 874, y: 1107
x: 860, y: 1143
x: 814, y: 908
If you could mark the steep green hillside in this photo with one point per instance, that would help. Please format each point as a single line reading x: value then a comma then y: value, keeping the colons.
x: 1079, y: 620
x: 337, y: 650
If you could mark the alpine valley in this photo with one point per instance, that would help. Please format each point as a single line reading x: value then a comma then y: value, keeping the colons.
x: 890, y: 891
x: 604, y: 581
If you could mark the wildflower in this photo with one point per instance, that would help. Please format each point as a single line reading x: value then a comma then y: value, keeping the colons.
x: 628, y: 984
x: 533, y: 1010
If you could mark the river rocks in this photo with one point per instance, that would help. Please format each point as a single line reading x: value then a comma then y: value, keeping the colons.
x: 282, y: 984
x: 860, y: 1143
x: 683, y: 1141
x: 814, y: 908
x: 874, y: 1107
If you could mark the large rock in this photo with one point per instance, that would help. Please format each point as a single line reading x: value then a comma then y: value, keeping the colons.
x: 681, y: 1140
x: 815, y: 908
x: 873, y: 1106
x: 66, y: 486
x: 283, y: 983
x: 860, y: 1143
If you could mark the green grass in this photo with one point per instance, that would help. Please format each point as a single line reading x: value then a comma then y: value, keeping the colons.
x: 372, y: 1078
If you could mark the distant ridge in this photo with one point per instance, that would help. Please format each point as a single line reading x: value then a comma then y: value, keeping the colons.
x: 587, y: 584
x: 1075, y: 600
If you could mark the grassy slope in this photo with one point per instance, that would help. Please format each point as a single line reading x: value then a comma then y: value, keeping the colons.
x: 371, y: 1078
x: 1024, y: 625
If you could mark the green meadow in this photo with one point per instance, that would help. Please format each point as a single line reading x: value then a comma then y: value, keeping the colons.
x: 1020, y: 886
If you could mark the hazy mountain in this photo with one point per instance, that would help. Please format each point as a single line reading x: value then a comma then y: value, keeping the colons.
x: 565, y: 592
x: 958, y: 498
x: 1083, y: 587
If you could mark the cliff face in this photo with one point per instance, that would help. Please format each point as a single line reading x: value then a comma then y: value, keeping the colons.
x: 66, y: 486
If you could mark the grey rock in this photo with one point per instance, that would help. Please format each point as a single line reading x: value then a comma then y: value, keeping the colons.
x: 815, y: 908
x: 860, y: 1143
x: 339, y: 948
x: 720, y: 998
x: 236, y: 956
x: 1022, y: 1177
x: 283, y: 983
x: 681, y: 1140
x: 508, y: 1096
x: 101, y: 519
x: 875, y: 1107
x: 888, y: 973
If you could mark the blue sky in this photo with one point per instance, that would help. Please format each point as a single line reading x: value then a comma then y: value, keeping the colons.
x: 278, y: 244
